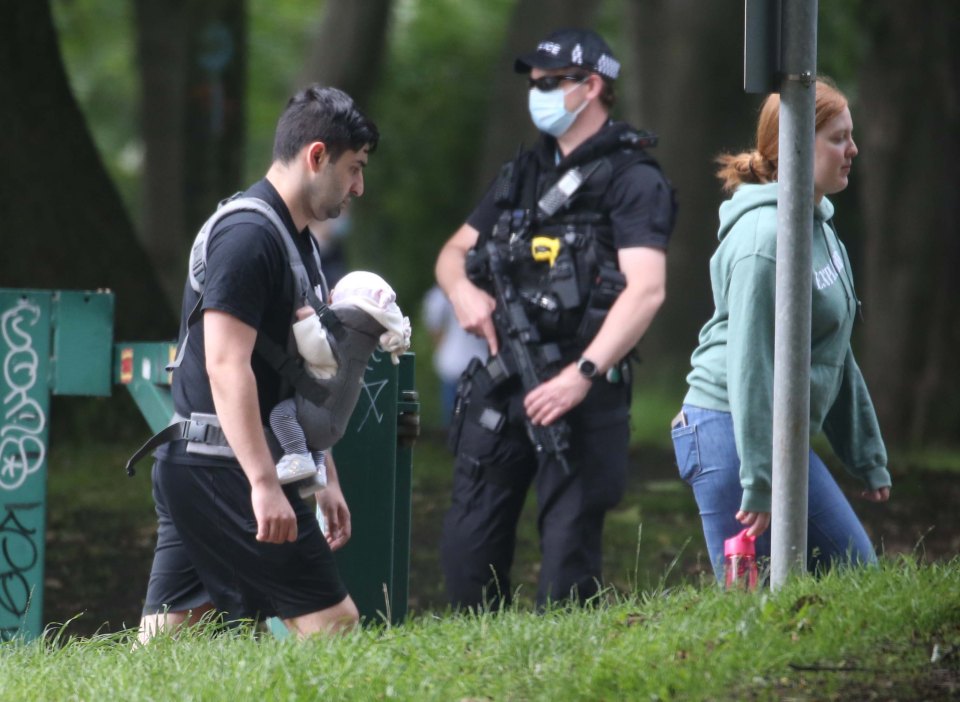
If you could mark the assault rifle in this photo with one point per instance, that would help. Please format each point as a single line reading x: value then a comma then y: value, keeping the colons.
x: 530, y: 358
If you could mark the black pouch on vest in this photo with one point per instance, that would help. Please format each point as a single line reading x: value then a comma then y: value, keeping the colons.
x: 506, y: 192
x: 608, y: 284
x: 461, y: 403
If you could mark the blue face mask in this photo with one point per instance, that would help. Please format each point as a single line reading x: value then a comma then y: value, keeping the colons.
x: 548, y: 112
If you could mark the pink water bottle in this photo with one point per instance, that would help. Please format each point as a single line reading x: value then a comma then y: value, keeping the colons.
x: 740, y: 556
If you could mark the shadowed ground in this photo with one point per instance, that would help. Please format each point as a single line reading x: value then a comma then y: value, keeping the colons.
x: 101, y: 531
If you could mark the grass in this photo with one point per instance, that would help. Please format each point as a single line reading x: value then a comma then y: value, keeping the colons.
x: 661, y: 630
x: 101, y: 524
x: 868, y: 634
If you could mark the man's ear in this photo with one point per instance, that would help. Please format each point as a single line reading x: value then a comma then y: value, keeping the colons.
x: 316, y: 154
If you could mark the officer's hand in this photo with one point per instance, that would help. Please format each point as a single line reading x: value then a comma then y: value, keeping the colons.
x: 276, y: 521
x: 549, y: 401
x: 474, y: 309
x: 335, y: 511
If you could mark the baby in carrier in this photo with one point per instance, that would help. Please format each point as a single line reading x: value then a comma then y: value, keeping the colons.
x: 336, y: 358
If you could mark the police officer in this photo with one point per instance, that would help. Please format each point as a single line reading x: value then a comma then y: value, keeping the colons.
x: 590, y: 196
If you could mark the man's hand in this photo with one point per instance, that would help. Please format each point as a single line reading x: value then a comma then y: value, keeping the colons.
x: 549, y: 401
x: 276, y: 521
x: 337, y: 514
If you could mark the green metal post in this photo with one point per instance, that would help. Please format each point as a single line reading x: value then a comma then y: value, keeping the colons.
x: 408, y: 429
x: 141, y: 368
x: 375, y: 478
x: 50, y: 342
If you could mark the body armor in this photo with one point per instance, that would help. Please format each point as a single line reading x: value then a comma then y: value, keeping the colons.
x: 563, y: 263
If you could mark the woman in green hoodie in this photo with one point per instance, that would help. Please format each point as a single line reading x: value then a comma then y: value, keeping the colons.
x: 723, y: 435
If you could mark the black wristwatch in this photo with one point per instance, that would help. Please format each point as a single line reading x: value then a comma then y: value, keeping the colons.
x: 588, y: 369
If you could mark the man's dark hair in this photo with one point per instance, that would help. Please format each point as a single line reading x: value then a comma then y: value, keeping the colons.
x: 608, y: 94
x: 324, y: 114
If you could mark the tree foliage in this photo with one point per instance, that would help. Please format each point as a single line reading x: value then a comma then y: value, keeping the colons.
x: 436, y: 77
x: 430, y: 111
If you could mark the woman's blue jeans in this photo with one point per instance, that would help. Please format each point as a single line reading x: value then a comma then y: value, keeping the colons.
x: 708, y: 461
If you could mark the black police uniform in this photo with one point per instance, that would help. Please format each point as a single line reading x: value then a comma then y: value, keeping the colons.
x: 626, y: 202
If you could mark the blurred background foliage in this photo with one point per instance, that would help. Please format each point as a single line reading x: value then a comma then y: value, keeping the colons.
x: 175, y: 134
x: 430, y: 105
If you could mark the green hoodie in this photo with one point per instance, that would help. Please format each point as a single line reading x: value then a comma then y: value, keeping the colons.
x: 733, y: 364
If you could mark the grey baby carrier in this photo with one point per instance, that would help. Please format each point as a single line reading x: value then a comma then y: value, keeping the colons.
x: 323, y: 406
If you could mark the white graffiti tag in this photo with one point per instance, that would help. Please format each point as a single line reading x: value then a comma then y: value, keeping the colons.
x: 372, y: 391
x: 22, y: 451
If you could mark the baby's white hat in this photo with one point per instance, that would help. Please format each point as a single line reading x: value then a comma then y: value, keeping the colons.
x: 364, y: 284
x: 373, y: 295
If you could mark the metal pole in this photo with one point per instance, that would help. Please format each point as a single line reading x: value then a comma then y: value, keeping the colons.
x: 791, y: 375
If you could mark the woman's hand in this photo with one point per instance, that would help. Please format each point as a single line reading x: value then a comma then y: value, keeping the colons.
x: 878, y: 495
x: 756, y: 521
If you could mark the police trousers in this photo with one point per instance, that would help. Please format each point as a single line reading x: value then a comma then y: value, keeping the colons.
x: 493, y: 471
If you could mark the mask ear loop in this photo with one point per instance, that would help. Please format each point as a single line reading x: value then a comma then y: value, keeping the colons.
x: 586, y: 101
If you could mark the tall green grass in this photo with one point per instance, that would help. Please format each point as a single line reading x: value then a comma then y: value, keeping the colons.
x: 890, y: 632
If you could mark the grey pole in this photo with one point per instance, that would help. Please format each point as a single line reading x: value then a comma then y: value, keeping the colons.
x: 791, y: 360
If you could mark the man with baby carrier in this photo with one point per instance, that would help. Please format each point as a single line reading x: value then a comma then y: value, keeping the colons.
x: 231, y: 537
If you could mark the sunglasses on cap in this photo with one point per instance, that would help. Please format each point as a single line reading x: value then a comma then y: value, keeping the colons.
x: 548, y: 83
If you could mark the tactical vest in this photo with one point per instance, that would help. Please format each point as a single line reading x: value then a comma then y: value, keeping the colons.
x: 558, y: 244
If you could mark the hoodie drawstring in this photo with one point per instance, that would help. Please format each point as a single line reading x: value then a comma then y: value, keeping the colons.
x: 849, y: 278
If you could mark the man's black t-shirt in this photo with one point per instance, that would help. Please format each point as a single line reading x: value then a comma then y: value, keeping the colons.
x: 638, y: 201
x: 247, y: 276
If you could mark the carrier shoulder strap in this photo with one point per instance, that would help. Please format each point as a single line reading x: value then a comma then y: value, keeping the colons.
x: 277, y: 357
x: 286, y: 364
x: 238, y: 203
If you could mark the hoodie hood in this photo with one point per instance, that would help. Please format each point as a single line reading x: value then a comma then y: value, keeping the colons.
x: 751, y: 196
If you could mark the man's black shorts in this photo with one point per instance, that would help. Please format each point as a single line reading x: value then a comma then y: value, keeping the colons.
x: 207, y: 549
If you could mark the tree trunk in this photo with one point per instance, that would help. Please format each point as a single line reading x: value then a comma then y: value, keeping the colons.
x: 908, y: 129
x: 192, y: 59
x: 683, y: 82
x: 349, y: 48
x: 62, y: 222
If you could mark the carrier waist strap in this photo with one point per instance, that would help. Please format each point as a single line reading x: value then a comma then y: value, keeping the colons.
x: 203, y: 435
